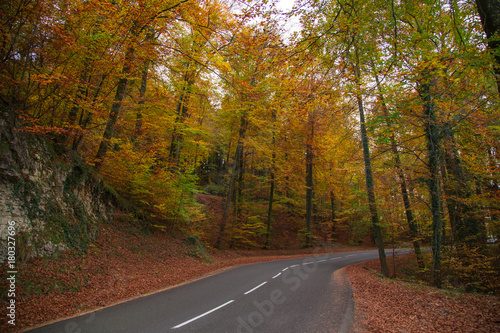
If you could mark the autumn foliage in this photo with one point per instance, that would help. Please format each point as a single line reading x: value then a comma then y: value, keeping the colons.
x: 169, y: 98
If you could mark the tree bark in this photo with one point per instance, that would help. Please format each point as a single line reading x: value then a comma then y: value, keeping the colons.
x: 236, y: 159
x: 309, y: 180
x: 468, y: 226
x: 270, y: 206
x: 370, y: 188
x: 182, y: 114
x: 116, y: 108
x: 434, y: 151
x: 267, y: 245
x: 402, y: 181
x: 333, y: 216
x: 489, y: 12
x: 85, y: 118
x: 239, y: 190
x: 142, y: 95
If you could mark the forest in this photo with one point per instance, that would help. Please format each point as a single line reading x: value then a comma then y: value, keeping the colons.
x: 375, y: 121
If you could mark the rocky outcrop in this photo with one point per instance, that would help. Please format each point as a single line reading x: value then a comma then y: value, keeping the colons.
x: 55, y: 204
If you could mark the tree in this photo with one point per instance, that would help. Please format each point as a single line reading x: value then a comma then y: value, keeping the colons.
x: 489, y: 12
x: 370, y: 188
x: 401, y: 175
x: 140, y: 25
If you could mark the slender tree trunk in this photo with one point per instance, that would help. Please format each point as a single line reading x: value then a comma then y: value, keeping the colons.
x: 370, y: 188
x: 433, y: 137
x: 309, y: 180
x: 412, y: 225
x: 468, y: 226
x: 86, y: 118
x: 80, y: 94
x: 140, y: 106
x: 76, y: 107
x: 286, y: 182
x: 142, y: 91
x: 270, y: 205
x: 402, y: 181
x: 333, y: 216
x: 182, y: 114
x: 267, y: 245
x: 237, y: 154
x: 239, y: 189
x: 116, y: 108
x: 492, y: 186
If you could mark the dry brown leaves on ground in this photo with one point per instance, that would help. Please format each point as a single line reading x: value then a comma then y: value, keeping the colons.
x: 384, y: 305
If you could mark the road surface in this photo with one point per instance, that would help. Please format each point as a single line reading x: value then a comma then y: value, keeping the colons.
x: 300, y: 295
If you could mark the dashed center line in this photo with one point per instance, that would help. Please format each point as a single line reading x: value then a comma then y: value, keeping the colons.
x: 203, y: 314
x: 249, y: 291
x: 260, y: 285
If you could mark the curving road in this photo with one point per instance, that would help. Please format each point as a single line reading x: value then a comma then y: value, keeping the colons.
x: 295, y: 295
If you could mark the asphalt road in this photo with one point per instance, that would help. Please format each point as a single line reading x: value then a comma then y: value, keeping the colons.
x: 295, y: 295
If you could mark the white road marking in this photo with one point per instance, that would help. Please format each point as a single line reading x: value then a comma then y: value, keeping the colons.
x: 322, y: 260
x: 274, y: 277
x: 294, y: 266
x: 335, y: 258
x: 260, y: 285
x: 284, y: 269
x: 351, y: 255
x: 202, y: 315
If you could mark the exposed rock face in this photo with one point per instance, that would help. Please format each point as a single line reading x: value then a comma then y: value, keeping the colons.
x: 55, y: 205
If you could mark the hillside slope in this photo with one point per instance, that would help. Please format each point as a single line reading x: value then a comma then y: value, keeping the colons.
x: 54, y: 199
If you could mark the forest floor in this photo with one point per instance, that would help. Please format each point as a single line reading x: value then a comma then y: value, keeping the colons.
x: 124, y: 263
x: 397, y: 306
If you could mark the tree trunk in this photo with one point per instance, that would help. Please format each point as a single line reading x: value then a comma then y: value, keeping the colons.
x: 236, y: 159
x: 489, y: 12
x: 333, y: 217
x: 80, y: 94
x: 465, y: 216
x: 271, y: 184
x: 86, y: 118
x: 270, y: 206
x: 182, y: 114
x: 309, y: 181
x: 142, y: 91
x: 142, y: 94
x: 239, y: 189
x: 433, y: 137
x: 402, y: 181
x: 370, y: 188
x: 116, y: 108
